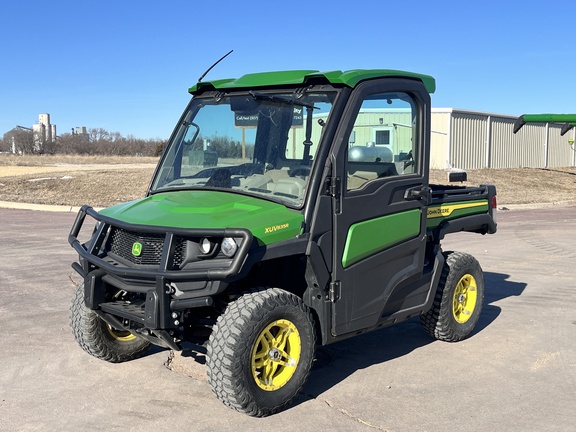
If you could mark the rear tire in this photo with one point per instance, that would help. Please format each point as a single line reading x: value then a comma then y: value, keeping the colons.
x: 458, y: 301
x: 98, y: 338
x: 260, y: 351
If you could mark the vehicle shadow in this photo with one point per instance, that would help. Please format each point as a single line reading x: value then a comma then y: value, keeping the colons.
x: 334, y: 363
x: 497, y: 287
x: 154, y: 349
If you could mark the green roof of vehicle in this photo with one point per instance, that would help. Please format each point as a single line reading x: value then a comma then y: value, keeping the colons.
x: 300, y: 77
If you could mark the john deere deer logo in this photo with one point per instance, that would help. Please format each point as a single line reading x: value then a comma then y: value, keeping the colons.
x: 136, y: 249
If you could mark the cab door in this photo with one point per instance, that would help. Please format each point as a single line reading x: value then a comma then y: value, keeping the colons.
x: 380, y: 170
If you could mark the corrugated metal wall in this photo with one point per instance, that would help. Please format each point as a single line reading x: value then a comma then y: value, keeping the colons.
x: 559, y: 151
x: 509, y: 150
x: 468, y: 140
x: 482, y: 140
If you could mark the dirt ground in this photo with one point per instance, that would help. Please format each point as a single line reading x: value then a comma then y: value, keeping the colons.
x: 74, y: 180
x: 104, y: 181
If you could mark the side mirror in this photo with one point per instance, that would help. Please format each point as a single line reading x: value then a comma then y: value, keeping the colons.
x: 458, y: 176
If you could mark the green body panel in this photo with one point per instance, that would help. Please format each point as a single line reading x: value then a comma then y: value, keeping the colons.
x: 300, y: 77
x: 267, y: 221
x: 439, y: 213
x: 369, y: 237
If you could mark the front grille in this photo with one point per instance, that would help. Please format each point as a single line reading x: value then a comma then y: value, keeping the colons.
x: 123, y: 241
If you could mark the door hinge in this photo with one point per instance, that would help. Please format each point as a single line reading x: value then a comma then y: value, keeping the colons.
x: 334, y: 291
x: 333, y: 186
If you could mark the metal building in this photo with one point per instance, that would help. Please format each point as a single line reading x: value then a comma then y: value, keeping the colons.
x: 460, y: 138
x: 473, y: 140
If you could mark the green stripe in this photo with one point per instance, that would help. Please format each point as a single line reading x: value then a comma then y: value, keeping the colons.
x: 375, y: 235
x: 438, y: 214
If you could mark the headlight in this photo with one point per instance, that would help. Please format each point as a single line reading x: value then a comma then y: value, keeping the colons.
x: 205, y: 246
x: 229, y: 247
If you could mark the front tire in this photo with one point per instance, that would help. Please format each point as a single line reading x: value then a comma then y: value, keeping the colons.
x: 459, y: 298
x: 100, y: 339
x: 260, y: 351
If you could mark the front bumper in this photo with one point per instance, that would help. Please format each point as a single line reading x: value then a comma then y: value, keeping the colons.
x: 176, y: 277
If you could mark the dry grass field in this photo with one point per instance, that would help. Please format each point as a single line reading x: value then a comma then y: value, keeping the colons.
x: 104, y: 181
x: 74, y: 180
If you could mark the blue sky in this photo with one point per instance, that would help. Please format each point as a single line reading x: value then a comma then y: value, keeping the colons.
x: 126, y: 65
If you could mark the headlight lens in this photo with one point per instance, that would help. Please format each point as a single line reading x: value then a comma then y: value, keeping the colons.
x: 229, y: 247
x: 205, y: 246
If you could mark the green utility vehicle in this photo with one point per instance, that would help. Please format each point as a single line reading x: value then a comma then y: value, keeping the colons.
x: 289, y: 210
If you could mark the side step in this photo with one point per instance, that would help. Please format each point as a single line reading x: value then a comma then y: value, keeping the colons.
x: 130, y: 311
x: 135, y: 312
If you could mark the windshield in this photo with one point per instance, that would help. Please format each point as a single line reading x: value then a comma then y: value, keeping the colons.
x: 257, y: 143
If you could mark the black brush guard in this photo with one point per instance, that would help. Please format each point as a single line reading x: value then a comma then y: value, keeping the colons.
x: 157, y: 282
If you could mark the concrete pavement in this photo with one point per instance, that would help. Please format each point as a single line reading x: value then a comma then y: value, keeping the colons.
x: 516, y: 373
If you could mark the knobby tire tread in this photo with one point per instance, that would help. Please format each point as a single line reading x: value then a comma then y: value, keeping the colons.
x: 438, y: 321
x: 228, y: 346
x: 89, y: 332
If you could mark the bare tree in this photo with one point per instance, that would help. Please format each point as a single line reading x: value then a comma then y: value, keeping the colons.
x: 98, y: 134
x: 113, y: 143
x: 5, y: 145
x: 97, y: 141
x: 23, y: 140
x: 73, y: 144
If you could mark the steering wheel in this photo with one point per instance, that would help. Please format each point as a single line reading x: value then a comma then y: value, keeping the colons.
x: 221, y: 177
x: 299, y: 170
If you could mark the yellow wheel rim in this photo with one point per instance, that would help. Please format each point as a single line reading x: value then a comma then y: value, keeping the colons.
x: 120, y: 335
x: 275, y: 355
x: 465, y: 297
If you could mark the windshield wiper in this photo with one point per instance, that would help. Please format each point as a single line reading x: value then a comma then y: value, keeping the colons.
x: 279, y: 100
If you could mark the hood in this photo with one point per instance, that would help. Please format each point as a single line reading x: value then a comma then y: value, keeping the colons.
x: 267, y: 221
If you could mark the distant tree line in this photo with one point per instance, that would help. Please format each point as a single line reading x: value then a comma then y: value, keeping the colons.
x: 97, y: 141
x: 100, y: 142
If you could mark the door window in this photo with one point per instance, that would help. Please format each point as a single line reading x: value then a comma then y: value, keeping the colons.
x: 383, y: 142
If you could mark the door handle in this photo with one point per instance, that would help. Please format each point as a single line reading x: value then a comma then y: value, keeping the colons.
x: 418, y: 193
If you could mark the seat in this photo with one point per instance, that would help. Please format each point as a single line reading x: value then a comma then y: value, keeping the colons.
x: 293, y: 186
